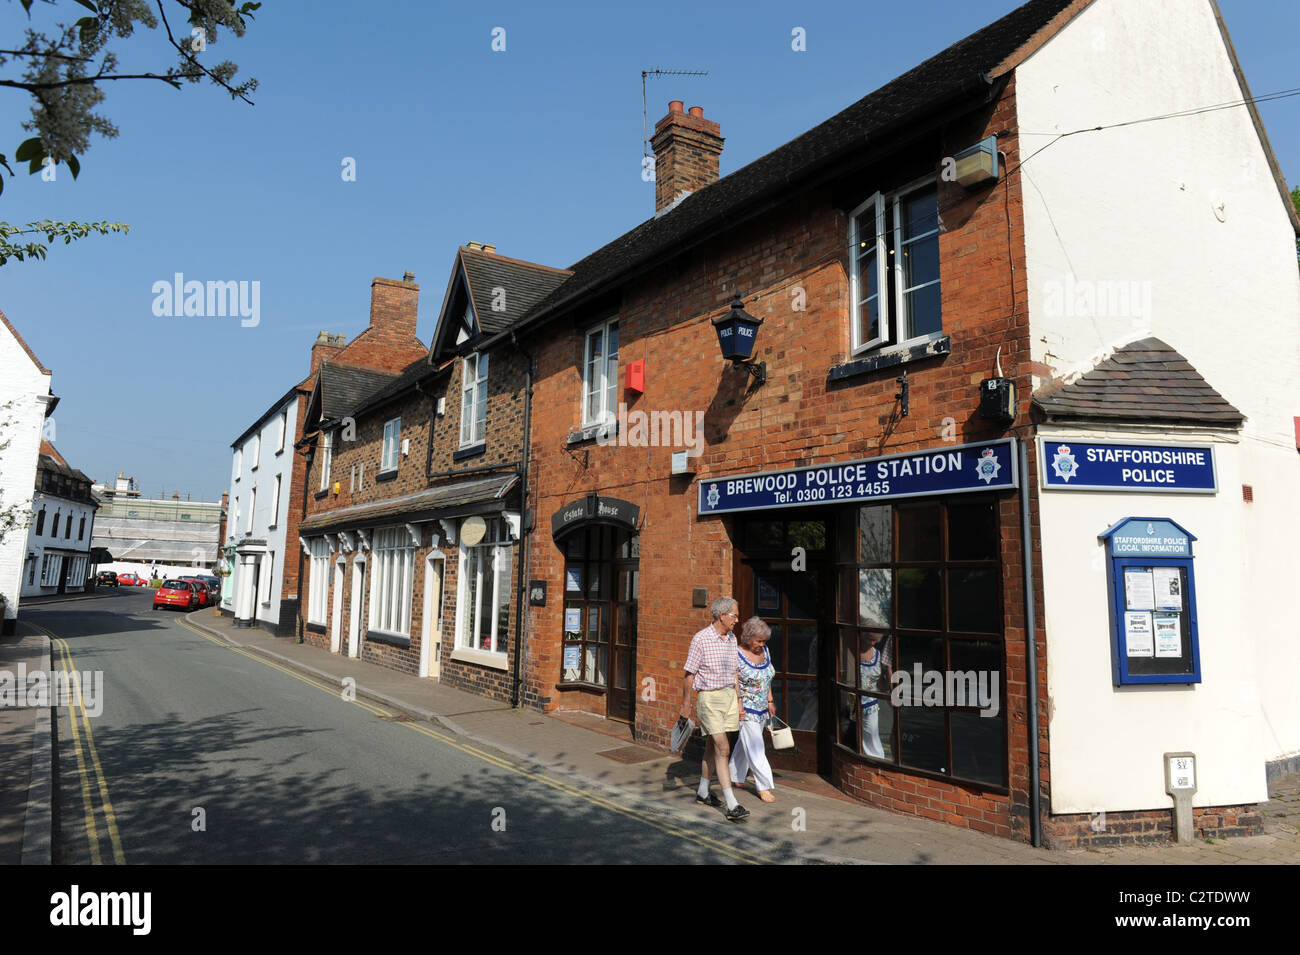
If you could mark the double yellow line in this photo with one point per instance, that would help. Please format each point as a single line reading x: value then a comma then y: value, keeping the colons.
x: 83, y: 743
x: 492, y: 759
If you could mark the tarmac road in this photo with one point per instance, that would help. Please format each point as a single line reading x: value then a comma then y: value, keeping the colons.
x: 207, y: 754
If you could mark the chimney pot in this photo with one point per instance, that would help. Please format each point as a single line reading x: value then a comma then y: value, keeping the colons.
x: 686, y: 150
x: 489, y: 248
x: 408, y: 276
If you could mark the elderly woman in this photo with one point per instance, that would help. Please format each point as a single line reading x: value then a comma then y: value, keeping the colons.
x: 755, y: 671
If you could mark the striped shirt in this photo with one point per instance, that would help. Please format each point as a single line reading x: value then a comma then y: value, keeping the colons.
x: 712, y: 658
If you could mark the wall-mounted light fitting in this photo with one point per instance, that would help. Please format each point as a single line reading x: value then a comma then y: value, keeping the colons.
x: 977, y: 165
x: 737, y: 332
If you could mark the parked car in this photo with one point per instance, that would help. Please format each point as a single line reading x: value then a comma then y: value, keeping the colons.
x: 176, y: 593
x: 106, y: 578
x: 214, y: 588
x: 200, y: 588
x: 131, y: 580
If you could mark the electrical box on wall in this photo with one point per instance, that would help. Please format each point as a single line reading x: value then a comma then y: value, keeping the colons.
x: 998, y: 399
x: 636, y: 376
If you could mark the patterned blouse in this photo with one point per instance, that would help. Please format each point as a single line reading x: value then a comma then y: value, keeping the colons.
x: 754, y: 681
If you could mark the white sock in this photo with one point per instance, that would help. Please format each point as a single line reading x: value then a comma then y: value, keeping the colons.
x: 730, y: 797
x: 704, y: 787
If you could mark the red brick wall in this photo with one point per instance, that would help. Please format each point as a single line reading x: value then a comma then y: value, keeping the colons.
x: 291, y: 511
x: 797, y: 418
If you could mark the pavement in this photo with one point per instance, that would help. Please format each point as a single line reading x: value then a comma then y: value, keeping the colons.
x: 810, y: 819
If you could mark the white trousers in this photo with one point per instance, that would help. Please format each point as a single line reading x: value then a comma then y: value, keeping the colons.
x: 751, y: 754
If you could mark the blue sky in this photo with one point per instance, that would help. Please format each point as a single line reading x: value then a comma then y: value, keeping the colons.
x: 535, y: 149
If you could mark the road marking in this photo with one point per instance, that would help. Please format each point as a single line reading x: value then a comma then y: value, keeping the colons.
x: 105, y: 801
x: 501, y: 763
x: 76, y: 713
x: 87, y: 803
x: 570, y: 790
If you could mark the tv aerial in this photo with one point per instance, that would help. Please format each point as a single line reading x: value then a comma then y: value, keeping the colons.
x: 645, y: 137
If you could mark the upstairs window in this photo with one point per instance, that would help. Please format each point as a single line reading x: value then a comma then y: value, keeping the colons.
x: 600, y: 375
x: 40, y: 522
x: 54, y: 531
x: 392, y: 436
x: 239, y: 463
x: 326, y: 457
x: 894, y: 250
x: 284, y: 429
x: 473, y: 401
x: 257, y: 451
x: 81, y: 530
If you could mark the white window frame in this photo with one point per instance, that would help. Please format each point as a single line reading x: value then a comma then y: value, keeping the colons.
x: 275, y: 502
x: 252, y: 509
x: 473, y: 400
x: 392, y: 580
x: 392, y: 444
x: 318, y: 581
x: 257, y: 451
x: 495, y: 556
x: 239, y: 463
x: 327, y: 455
x: 284, y: 429
x: 51, y: 570
x: 892, y: 326
x: 602, y: 381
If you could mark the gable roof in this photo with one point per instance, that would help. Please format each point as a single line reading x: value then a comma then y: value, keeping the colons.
x: 477, y: 274
x: 340, y: 388
x: 22, y: 344
x: 412, y: 375
x: 962, y: 71
x: 1143, y: 381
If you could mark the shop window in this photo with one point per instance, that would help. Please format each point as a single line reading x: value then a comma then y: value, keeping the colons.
x: 601, y: 581
x: 483, y: 608
x: 919, y: 622
x: 392, y: 581
x: 894, y: 253
x: 318, y: 580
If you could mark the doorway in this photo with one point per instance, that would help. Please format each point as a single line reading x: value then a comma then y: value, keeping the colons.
x: 783, y: 577
x: 354, y: 615
x: 431, y: 626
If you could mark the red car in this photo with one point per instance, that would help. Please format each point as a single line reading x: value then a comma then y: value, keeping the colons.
x: 131, y: 580
x: 205, y: 595
x: 176, y: 593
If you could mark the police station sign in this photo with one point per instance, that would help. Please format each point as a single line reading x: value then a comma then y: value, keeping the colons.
x: 950, y: 470
x: 1069, y: 465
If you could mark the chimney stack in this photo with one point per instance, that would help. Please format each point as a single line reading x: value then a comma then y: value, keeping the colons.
x: 393, y: 308
x: 325, y: 345
x: 686, y: 148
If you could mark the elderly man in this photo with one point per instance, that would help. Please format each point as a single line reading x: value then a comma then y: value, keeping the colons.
x: 711, y: 669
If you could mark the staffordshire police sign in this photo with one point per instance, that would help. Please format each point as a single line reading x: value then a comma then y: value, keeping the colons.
x: 1069, y: 465
x: 953, y: 470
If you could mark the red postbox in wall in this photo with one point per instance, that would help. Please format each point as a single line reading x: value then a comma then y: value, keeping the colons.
x: 636, y: 376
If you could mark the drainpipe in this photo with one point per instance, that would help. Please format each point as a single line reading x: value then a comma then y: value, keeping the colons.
x: 524, y: 529
x: 1031, y: 655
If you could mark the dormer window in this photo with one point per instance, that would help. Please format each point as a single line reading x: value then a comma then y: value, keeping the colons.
x: 466, y: 325
x: 473, y: 401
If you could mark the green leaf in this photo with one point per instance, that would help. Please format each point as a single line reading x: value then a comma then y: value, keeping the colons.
x: 89, y: 6
x: 30, y: 149
x: 74, y: 166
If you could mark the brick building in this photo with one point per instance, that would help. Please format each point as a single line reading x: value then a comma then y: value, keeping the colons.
x: 414, y: 518
x: 859, y: 492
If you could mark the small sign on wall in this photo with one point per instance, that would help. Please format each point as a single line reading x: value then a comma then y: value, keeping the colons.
x: 537, y: 593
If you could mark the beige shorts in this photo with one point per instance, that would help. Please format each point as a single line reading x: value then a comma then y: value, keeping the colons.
x: 719, y: 711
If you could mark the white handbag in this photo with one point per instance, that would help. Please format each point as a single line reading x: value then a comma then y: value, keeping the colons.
x: 782, y: 738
